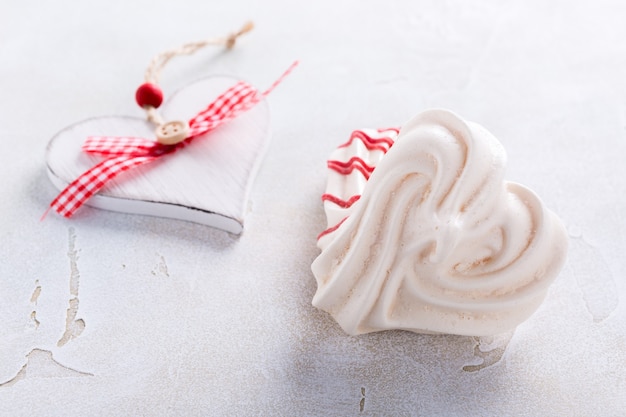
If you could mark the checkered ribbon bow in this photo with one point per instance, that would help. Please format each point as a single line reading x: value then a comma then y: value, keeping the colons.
x: 124, y: 153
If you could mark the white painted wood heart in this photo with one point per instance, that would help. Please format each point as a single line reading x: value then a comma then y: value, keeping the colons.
x: 207, y: 182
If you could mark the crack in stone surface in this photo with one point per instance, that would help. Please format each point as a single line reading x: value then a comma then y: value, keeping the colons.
x: 33, y: 299
x: 41, y: 364
x: 362, y: 402
x: 490, y: 349
x: 33, y: 319
x: 161, y: 267
x: 36, y: 293
x: 73, y: 327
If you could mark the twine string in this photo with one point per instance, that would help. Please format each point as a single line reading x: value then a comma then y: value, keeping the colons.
x: 153, y: 72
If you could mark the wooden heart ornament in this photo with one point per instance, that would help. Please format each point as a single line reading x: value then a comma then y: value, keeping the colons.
x: 207, y: 182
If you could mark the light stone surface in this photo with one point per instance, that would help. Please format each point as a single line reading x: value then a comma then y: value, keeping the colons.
x: 114, y: 314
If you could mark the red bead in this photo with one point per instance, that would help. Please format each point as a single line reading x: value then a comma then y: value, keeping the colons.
x: 149, y: 94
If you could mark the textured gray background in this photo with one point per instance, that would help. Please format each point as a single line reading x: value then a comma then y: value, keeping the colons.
x: 170, y: 318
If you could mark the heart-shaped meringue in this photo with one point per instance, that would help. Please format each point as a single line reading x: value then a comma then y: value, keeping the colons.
x: 206, y: 182
x: 435, y: 241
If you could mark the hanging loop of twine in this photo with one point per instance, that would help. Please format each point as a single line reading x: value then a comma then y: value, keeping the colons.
x: 153, y: 72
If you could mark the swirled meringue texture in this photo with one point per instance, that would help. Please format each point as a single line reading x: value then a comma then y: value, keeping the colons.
x: 437, y: 242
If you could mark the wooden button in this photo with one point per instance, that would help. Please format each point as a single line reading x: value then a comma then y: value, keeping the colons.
x: 172, y: 133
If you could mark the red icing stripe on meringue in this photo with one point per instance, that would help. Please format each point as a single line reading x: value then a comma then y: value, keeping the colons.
x: 346, y: 168
x: 381, y: 144
x: 393, y: 129
x: 331, y: 229
x: 340, y: 202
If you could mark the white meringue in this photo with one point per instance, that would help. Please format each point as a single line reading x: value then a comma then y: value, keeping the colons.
x: 437, y: 242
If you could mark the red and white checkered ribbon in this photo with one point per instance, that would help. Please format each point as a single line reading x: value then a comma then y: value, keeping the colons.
x: 124, y: 153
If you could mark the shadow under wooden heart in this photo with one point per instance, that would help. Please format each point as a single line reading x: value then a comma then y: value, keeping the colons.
x: 206, y: 182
